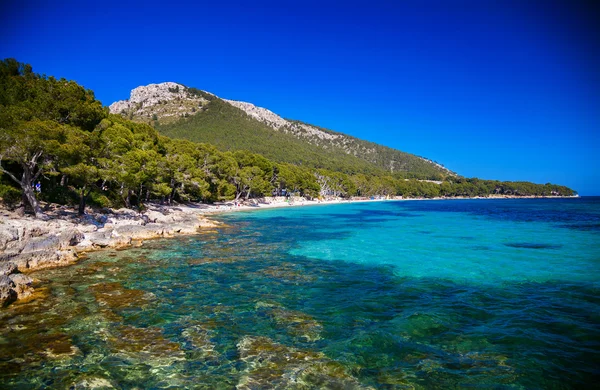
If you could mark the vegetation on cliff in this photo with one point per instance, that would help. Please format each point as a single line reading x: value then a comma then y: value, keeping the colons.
x: 229, y: 128
x: 57, y: 143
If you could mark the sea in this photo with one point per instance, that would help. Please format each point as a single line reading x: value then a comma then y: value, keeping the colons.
x: 445, y: 294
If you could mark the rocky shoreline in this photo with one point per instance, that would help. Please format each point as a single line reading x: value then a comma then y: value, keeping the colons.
x: 28, y: 244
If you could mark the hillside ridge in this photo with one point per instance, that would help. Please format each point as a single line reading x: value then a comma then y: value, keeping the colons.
x: 166, y: 105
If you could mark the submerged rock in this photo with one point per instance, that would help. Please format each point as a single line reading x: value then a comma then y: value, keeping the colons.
x: 95, y: 383
x: 475, y: 368
x: 211, y: 260
x: 276, y: 366
x: 116, y: 297
x: 199, y: 337
x: 296, y: 323
x: 58, y: 346
x: 145, y: 345
x: 288, y: 273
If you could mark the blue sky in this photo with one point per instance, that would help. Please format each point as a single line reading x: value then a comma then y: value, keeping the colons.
x: 506, y: 90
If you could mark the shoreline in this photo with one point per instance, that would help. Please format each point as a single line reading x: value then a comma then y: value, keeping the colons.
x: 227, y: 207
x: 28, y: 244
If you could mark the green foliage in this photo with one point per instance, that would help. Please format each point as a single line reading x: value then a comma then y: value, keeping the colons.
x: 55, y: 132
x: 9, y: 195
x: 31, y: 96
x: 100, y: 200
x: 230, y: 129
x: 391, y: 161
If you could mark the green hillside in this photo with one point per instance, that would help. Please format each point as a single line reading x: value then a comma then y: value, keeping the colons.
x: 55, y: 135
x: 230, y: 128
x: 388, y: 159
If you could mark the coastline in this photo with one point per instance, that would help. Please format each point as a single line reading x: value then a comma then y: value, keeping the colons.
x: 28, y: 244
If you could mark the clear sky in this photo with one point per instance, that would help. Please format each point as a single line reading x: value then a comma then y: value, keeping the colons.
x: 506, y: 90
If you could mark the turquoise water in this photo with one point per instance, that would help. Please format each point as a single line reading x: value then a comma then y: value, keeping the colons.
x: 414, y: 294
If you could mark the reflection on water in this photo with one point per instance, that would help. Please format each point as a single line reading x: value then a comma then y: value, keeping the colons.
x: 235, y: 308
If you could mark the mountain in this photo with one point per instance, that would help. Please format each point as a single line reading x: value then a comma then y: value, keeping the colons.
x: 189, y: 113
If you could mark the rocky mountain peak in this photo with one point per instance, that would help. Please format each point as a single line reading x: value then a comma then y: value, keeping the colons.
x: 168, y: 101
x: 165, y: 103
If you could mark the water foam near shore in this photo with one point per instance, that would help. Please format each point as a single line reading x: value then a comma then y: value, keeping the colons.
x: 382, y: 295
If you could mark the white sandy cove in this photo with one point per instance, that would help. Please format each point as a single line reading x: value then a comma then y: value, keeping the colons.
x: 281, y: 201
x: 275, y: 202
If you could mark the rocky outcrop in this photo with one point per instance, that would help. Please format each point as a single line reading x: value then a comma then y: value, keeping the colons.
x: 276, y: 122
x: 7, y: 292
x: 261, y: 114
x: 29, y: 244
x: 13, y: 285
x: 166, y: 102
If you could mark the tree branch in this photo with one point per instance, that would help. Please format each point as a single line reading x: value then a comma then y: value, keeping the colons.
x: 37, y: 174
x: 9, y: 174
x: 34, y: 159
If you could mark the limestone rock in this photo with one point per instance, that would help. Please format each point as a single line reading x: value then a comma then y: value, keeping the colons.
x: 27, y: 243
x: 22, y: 285
x: 168, y: 101
x: 7, y: 268
x: 7, y: 234
x: 70, y: 237
x: 41, y: 244
x: 7, y: 292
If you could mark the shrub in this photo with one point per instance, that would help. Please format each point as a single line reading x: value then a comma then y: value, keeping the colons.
x: 9, y: 195
x: 100, y: 200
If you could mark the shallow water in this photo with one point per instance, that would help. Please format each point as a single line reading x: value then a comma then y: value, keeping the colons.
x: 444, y: 294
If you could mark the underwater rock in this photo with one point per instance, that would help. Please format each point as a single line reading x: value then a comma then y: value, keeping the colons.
x: 116, y: 297
x: 210, y: 260
x: 199, y: 337
x: 58, y: 346
x: 288, y: 273
x: 146, y: 345
x: 95, y: 383
x: 296, y: 323
x: 421, y: 324
x: 475, y: 368
x: 276, y: 366
x: 394, y: 379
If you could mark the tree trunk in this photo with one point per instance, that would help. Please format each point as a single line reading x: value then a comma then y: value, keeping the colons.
x: 31, y: 199
x: 82, y: 201
x: 172, y: 195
